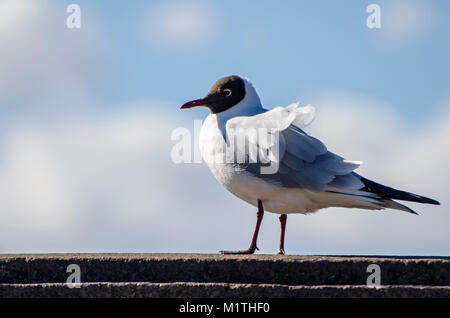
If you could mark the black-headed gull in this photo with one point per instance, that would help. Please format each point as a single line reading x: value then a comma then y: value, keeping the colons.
x: 276, y: 166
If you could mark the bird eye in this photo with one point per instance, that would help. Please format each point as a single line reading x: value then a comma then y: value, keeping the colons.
x: 227, y: 92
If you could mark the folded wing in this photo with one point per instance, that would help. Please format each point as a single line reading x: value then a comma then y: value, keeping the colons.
x: 303, y: 161
x: 276, y: 136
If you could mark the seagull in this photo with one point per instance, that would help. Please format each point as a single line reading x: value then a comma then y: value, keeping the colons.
x: 278, y: 167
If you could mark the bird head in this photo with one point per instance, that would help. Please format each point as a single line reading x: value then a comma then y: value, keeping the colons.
x: 226, y: 93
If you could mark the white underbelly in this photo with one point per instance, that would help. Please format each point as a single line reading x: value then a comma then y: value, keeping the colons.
x: 275, y: 199
x: 278, y: 199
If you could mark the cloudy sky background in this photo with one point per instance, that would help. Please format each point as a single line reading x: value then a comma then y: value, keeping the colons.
x: 86, y: 117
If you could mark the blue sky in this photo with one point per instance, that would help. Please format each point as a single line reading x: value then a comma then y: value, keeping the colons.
x: 299, y: 49
x: 87, y: 116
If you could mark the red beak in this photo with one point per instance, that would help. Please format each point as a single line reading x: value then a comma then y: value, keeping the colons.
x: 194, y: 103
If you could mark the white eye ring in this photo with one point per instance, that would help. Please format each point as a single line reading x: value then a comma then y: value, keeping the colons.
x: 227, y: 92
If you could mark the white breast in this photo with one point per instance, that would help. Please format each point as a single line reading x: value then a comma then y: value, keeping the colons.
x: 243, y: 184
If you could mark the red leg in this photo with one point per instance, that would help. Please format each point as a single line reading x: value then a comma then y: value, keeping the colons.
x: 283, y: 218
x: 253, y: 247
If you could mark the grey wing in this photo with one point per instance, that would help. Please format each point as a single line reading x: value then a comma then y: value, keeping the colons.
x: 306, y: 163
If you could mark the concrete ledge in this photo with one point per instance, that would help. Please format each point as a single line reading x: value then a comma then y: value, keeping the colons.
x: 257, y: 269
x: 213, y: 275
x: 220, y: 290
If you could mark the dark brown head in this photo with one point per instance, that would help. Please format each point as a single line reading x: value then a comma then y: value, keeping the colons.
x: 224, y: 94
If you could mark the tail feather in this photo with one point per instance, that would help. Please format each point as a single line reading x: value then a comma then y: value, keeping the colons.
x: 391, y: 193
x: 376, y: 203
x: 391, y: 204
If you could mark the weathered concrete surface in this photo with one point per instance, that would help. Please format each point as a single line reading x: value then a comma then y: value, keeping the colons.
x: 219, y: 290
x: 270, y: 269
x: 178, y: 275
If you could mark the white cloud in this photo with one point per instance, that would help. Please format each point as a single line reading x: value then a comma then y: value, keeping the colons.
x: 54, y: 178
x: 403, y: 21
x: 186, y: 25
x: 16, y: 14
x: 103, y: 182
x: 43, y: 62
x: 32, y: 186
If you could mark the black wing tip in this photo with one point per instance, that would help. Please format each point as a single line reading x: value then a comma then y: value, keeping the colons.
x: 410, y: 210
x: 371, y: 186
x: 422, y: 199
x: 431, y: 201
